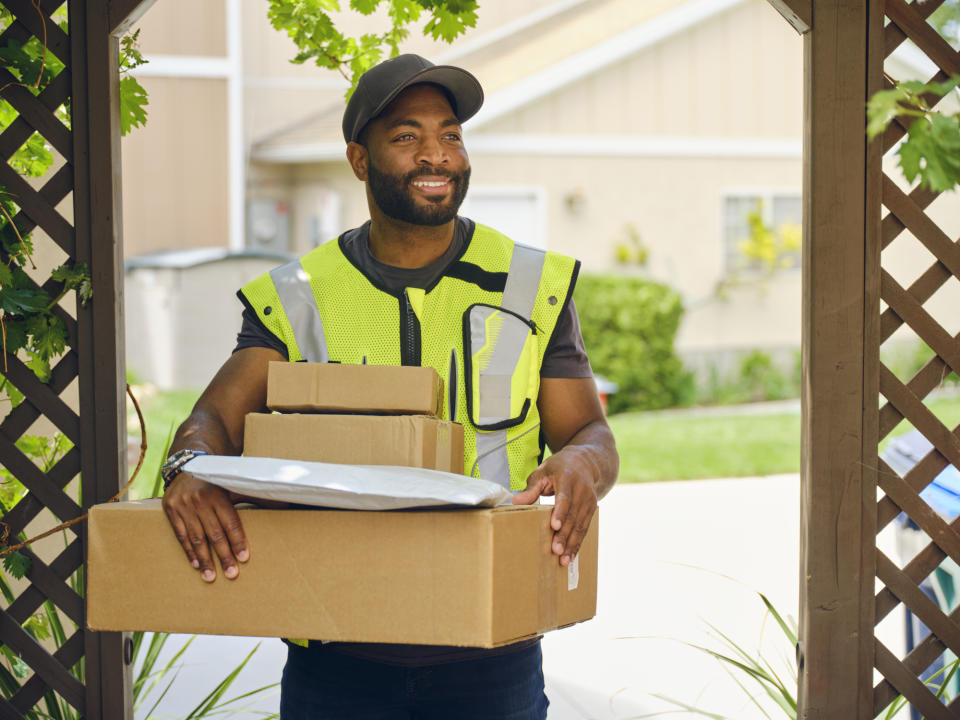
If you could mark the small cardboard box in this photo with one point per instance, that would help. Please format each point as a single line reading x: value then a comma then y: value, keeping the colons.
x: 408, y: 440
x: 479, y: 577
x: 332, y: 387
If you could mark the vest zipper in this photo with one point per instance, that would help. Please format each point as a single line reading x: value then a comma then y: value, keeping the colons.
x: 409, y: 333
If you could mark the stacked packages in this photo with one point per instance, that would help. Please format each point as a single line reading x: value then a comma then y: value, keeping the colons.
x: 472, y: 577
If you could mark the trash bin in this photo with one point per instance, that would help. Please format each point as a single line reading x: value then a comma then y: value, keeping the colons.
x: 941, y: 586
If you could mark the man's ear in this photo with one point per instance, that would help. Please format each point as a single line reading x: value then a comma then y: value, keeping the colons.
x: 358, y: 159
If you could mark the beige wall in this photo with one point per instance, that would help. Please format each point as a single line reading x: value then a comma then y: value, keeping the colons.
x: 175, y: 168
x: 738, y: 75
x: 182, y: 324
x: 185, y: 27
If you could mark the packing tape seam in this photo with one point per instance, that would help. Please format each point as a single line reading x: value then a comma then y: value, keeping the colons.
x: 548, y: 564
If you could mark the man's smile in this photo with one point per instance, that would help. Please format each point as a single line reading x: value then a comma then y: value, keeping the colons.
x: 432, y: 185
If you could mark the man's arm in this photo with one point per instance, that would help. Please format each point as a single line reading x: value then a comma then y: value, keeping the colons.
x: 584, y: 465
x: 202, y: 514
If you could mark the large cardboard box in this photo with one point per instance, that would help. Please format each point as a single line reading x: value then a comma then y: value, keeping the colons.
x: 408, y: 440
x: 482, y: 578
x: 332, y: 387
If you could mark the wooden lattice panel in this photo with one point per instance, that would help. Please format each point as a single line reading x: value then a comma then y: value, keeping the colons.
x: 52, y: 669
x: 904, y: 400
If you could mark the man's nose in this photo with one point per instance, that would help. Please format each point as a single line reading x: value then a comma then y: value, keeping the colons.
x: 431, y: 152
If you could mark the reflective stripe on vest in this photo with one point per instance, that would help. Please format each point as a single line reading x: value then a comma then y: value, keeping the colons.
x: 293, y: 288
x: 519, y: 295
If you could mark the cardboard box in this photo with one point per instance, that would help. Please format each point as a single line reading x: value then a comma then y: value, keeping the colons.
x: 480, y: 578
x: 408, y: 440
x: 332, y: 387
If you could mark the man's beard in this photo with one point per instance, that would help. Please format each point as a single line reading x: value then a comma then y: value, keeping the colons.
x: 394, y: 196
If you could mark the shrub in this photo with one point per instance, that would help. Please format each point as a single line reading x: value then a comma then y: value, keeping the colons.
x: 629, y: 325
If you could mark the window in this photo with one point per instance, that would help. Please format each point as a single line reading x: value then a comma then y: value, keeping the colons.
x: 778, y: 213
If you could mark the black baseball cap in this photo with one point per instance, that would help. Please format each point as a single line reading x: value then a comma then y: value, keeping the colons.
x: 379, y: 85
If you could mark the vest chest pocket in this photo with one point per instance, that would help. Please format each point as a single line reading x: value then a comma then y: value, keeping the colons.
x: 501, y: 368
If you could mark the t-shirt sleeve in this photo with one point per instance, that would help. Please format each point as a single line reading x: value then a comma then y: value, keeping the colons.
x: 253, y: 333
x: 566, y: 356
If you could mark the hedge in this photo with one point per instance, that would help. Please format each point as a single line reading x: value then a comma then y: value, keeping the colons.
x: 629, y: 325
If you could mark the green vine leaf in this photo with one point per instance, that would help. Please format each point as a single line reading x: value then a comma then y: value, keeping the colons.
x: 16, y: 565
x: 309, y: 25
x: 130, y: 55
x: 931, y: 148
x: 133, y: 103
x: 75, y: 277
x: 49, y: 335
x: 22, y: 301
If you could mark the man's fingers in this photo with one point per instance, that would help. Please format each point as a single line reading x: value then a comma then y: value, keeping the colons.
x: 560, y: 510
x: 180, y: 530
x: 230, y: 522
x: 217, y: 537
x: 197, y: 538
x: 577, y: 531
x: 537, y: 485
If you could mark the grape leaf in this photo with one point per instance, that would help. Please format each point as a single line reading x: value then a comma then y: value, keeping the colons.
x: 48, y: 335
x: 366, y: 7
x: 40, y: 367
x: 447, y: 25
x: 75, y: 277
x: 16, y: 565
x: 19, y: 301
x: 133, y: 103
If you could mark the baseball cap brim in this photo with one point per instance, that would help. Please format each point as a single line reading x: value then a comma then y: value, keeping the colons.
x: 463, y: 87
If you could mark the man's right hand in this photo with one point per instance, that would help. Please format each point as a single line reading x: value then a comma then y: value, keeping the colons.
x: 202, y: 515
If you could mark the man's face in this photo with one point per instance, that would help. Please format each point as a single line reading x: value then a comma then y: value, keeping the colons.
x: 417, y: 168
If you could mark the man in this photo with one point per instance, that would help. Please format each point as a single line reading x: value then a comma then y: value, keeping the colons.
x: 413, y: 284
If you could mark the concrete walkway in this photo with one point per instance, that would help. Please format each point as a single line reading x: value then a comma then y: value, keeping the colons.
x: 673, y: 557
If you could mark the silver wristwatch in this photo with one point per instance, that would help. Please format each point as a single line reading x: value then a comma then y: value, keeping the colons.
x: 174, y: 464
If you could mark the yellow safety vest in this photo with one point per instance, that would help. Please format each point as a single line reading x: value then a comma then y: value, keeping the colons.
x: 496, y: 307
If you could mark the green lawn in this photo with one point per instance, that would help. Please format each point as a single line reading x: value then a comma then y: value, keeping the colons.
x: 683, y: 446
x: 654, y: 446
x: 162, y: 413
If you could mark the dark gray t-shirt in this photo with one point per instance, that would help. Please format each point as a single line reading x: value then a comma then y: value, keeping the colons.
x: 565, y: 356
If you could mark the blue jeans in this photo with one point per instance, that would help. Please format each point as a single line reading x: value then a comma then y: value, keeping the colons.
x: 321, y: 684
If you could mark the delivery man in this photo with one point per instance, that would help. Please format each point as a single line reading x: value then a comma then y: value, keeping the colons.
x: 415, y: 285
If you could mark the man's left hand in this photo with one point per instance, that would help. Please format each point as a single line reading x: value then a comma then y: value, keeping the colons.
x: 571, y: 477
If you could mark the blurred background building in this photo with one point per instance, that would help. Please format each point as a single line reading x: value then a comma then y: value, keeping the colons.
x: 636, y: 136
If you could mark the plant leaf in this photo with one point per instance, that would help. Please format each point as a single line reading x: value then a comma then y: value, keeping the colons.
x: 133, y: 103
x: 16, y: 564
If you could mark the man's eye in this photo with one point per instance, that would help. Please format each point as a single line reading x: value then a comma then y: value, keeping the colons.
x: 404, y: 137
x: 455, y: 137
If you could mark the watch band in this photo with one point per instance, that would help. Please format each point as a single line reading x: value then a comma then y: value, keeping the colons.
x: 174, y: 464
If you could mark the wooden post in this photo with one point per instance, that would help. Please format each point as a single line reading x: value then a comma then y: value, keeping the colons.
x: 100, y: 342
x: 838, y: 476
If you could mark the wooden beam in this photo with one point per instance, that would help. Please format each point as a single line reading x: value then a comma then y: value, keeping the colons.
x: 124, y: 13
x: 838, y: 444
x: 100, y: 338
x: 798, y: 13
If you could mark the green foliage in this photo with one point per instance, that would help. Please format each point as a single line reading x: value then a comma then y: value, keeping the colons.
x: 629, y: 325
x: 133, y: 103
x: 905, y: 359
x: 632, y: 250
x: 946, y: 21
x: 16, y: 565
x: 133, y: 98
x: 311, y: 26
x: 931, y: 148
x: 771, y: 249
x: 757, y: 379
x: 28, y: 321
